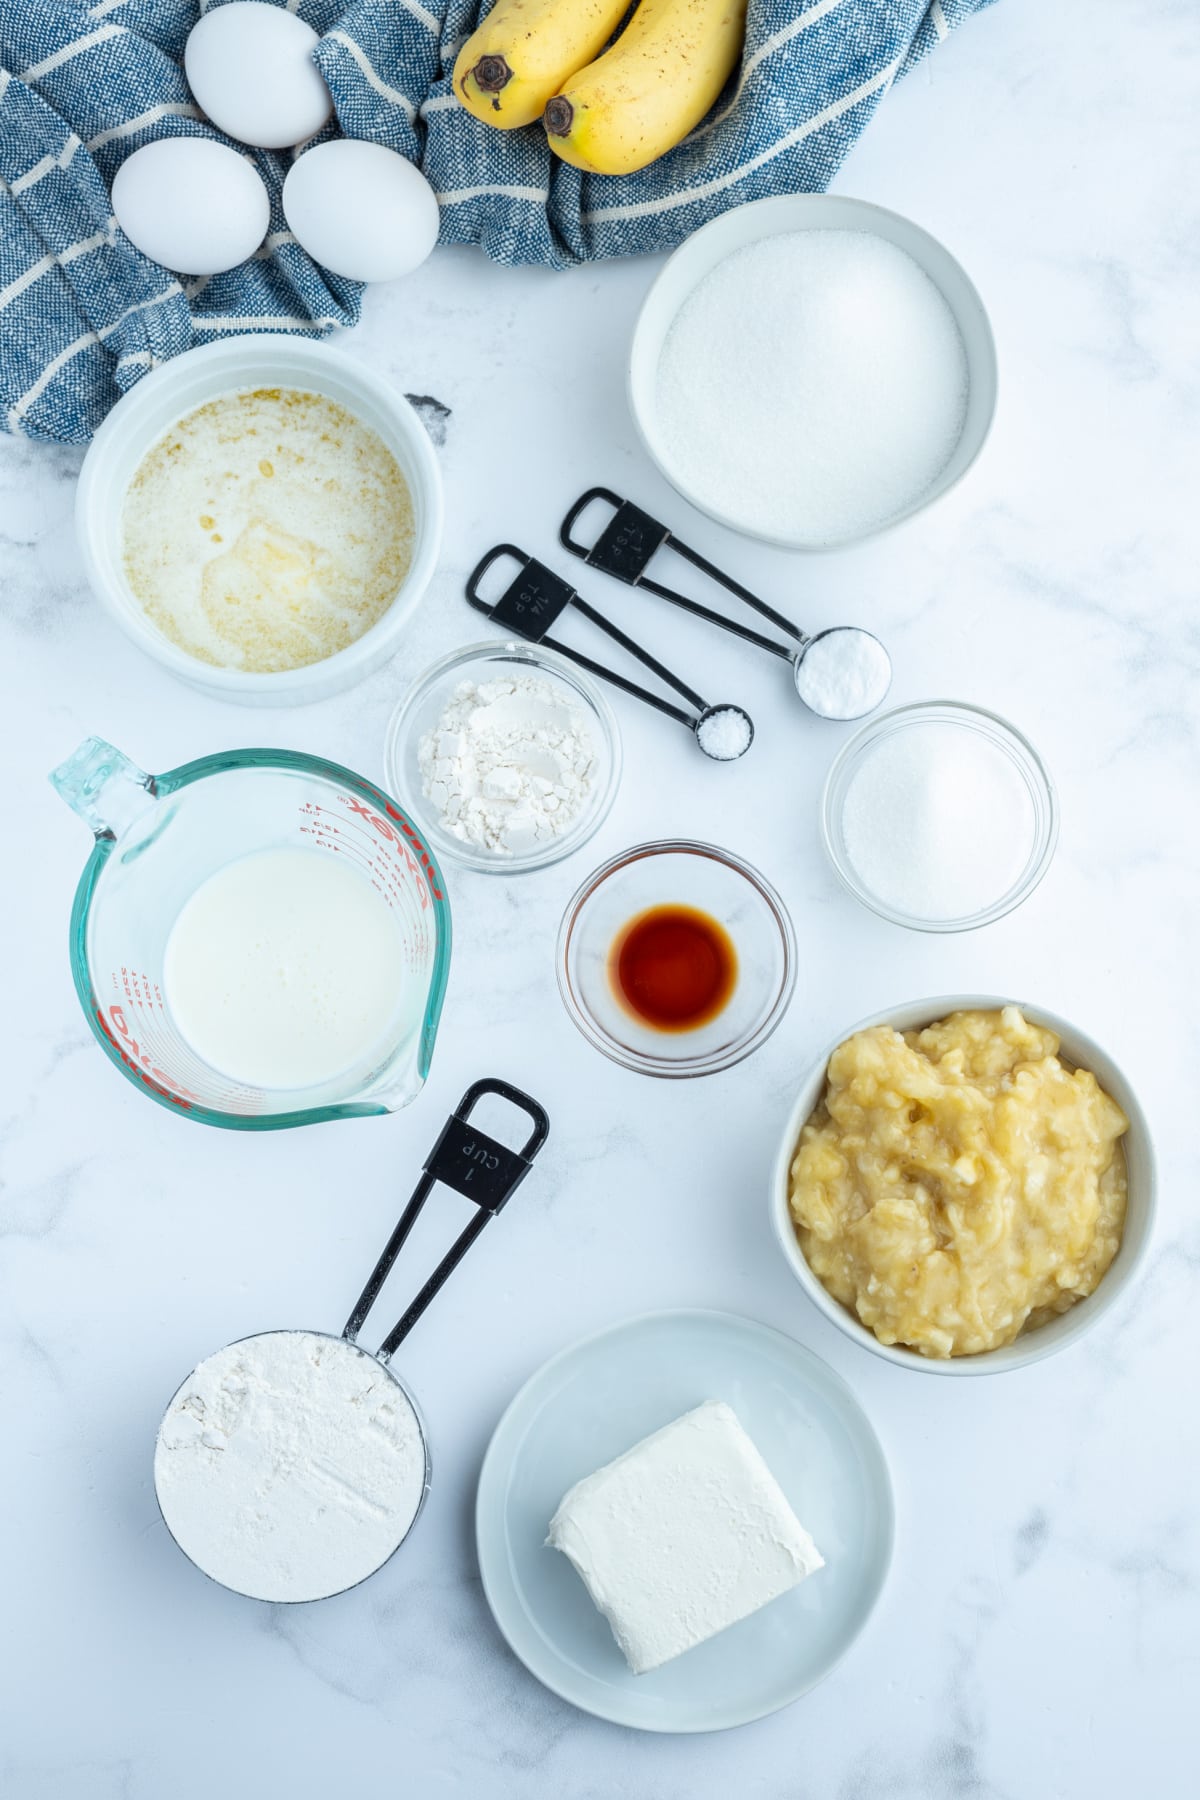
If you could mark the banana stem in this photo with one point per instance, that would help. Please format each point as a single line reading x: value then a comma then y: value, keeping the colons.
x: 491, y: 74
x: 559, y: 116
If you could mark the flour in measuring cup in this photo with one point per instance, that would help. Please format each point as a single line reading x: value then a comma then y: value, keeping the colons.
x: 289, y: 1465
x: 285, y: 969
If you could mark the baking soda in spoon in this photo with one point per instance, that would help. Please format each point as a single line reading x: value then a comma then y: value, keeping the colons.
x: 843, y: 673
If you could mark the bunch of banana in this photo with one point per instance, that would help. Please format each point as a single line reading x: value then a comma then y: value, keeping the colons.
x: 525, y: 50
x: 609, y: 113
x: 645, y: 94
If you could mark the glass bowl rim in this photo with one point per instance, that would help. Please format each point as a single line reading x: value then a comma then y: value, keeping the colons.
x: 399, y: 730
x: 998, y: 730
x: 663, y: 1068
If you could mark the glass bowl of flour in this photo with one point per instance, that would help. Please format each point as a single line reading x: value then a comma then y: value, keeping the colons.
x: 507, y: 755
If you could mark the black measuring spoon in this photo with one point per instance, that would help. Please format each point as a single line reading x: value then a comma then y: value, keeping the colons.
x: 630, y: 540
x: 536, y: 598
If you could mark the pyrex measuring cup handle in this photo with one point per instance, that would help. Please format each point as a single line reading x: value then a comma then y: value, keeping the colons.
x: 101, y: 784
x: 473, y: 1164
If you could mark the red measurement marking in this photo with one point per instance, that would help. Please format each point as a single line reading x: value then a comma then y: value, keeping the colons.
x: 383, y: 831
x: 138, y: 1061
x: 424, y: 867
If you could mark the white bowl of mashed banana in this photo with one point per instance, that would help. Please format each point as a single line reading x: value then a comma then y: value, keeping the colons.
x: 965, y: 1184
x: 261, y: 516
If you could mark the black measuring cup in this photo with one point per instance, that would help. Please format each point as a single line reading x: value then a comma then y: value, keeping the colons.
x: 486, y: 1172
x: 536, y: 597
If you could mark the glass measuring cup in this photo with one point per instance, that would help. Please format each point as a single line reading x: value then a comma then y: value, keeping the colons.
x: 158, y: 837
x: 341, y: 1435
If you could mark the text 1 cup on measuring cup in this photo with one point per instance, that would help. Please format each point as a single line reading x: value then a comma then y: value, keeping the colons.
x: 536, y: 597
x: 178, y: 936
x: 841, y: 673
x: 292, y: 1465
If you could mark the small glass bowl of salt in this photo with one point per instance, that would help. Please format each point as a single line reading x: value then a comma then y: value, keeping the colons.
x: 506, y: 755
x: 939, y: 816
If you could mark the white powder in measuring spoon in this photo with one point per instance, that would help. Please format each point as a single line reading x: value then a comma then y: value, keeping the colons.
x: 813, y: 385
x: 843, y: 673
x: 725, y: 733
x: 289, y: 1465
x: 937, y: 822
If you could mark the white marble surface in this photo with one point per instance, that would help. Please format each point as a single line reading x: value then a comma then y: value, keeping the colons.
x: 1038, y: 1637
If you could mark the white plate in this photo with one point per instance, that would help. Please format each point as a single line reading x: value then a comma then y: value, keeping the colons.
x: 601, y: 1396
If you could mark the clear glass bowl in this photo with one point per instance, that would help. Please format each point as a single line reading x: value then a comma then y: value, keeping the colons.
x: 677, y: 872
x: 424, y: 704
x: 957, y: 717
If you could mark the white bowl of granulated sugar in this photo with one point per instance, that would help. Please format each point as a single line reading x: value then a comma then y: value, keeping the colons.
x: 811, y: 371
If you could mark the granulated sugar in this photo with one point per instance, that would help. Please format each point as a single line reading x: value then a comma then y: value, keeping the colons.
x: 937, y: 822
x: 813, y: 386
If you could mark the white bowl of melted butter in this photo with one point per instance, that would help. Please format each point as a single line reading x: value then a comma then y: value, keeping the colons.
x: 261, y: 516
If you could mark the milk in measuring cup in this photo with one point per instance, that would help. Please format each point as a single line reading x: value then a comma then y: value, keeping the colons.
x: 285, y: 968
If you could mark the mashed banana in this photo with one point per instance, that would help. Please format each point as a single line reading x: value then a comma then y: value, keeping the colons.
x: 959, y: 1185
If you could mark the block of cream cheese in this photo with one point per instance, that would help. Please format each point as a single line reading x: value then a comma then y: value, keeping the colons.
x: 685, y: 1534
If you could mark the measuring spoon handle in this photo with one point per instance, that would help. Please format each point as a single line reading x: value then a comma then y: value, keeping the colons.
x: 473, y: 1164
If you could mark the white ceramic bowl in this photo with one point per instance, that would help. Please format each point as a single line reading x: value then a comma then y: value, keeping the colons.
x: 1081, y: 1051
x: 270, y: 359
x: 811, y: 212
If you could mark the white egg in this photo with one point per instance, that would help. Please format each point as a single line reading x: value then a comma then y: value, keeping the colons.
x: 250, y: 68
x: 191, y: 204
x: 360, y: 210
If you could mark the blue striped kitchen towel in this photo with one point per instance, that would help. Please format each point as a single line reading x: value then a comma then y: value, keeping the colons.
x: 83, y: 314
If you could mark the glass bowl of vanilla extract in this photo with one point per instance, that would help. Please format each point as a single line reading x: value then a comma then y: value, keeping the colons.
x: 676, y: 959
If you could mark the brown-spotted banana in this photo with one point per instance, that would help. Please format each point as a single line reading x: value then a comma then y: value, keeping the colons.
x: 645, y: 94
x: 525, y: 50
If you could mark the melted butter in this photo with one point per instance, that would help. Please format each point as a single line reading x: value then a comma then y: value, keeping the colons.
x: 267, y: 530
